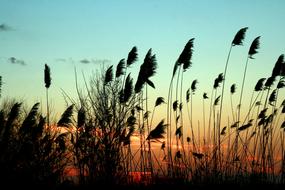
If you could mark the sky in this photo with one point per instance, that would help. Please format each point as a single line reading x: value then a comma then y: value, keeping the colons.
x: 85, y: 34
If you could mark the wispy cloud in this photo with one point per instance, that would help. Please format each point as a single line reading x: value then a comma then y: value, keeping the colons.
x: 94, y: 61
x: 5, y: 27
x: 85, y: 61
x: 14, y: 60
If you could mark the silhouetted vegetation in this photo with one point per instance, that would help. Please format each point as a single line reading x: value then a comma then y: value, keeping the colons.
x: 92, y: 141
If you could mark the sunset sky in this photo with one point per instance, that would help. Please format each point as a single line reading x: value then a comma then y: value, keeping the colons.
x: 84, y: 34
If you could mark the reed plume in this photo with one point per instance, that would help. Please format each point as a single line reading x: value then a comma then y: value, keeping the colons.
x: 132, y: 56
x: 159, y: 101
x: 272, y: 97
x: 262, y: 113
x: 269, y: 82
x: 47, y: 79
x: 131, y: 59
x: 109, y: 75
x: 13, y: 114
x: 245, y: 126
x: 120, y: 68
x: 217, y: 100
x: 188, y: 95
x: 194, y: 86
x: 232, y: 91
x: 233, y: 88
x: 66, y: 117
x: 8, y: 125
x: 147, y: 70
x: 223, y: 132
x: 277, y: 70
x: 239, y: 37
x: 39, y: 129
x: 31, y: 120
x: 178, y: 132
x: 281, y: 84
x: 175, y: 105
x: 47, y: 76
x: 157, y: 132
x: 259, y: 85
x: 186, y: 55
x: 254, y: 47
x: 126, y: 93
x: 218, y: 81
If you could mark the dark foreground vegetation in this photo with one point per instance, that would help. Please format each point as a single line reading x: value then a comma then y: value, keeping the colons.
x: 90, y: 145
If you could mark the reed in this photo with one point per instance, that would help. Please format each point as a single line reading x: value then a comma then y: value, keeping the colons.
x: 47, y: 79
x: 95, y: 135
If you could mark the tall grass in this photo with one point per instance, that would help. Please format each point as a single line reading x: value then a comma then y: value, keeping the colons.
x: 96, y: 135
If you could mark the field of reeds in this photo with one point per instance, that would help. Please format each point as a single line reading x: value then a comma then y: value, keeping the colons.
x: 109, y: 135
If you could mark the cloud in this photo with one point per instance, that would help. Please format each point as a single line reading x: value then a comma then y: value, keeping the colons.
x: 4, y: 27
x: 14, y: 60
x: 94, y: 61
x: 100, y: 61
x: 85, y: 61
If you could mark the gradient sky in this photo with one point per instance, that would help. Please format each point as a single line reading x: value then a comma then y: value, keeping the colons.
x: 61, y: 33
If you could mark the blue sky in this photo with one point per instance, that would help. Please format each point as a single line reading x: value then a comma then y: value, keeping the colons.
x: 63, y: 32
